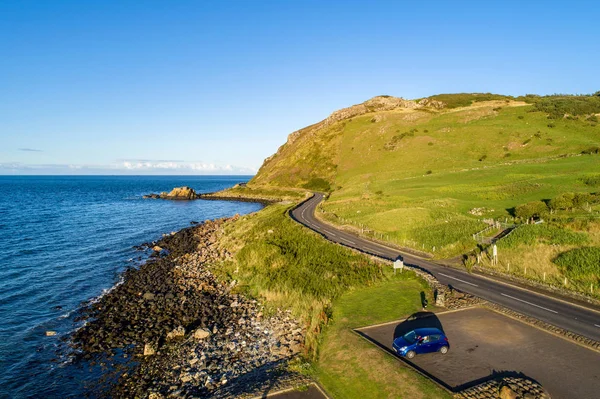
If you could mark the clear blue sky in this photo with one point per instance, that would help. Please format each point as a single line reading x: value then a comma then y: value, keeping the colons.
x: 216, y: 86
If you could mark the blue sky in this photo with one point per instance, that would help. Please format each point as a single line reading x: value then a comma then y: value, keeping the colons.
x: 178, y: 87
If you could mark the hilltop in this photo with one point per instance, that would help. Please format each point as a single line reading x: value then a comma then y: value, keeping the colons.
x: 429, y: 173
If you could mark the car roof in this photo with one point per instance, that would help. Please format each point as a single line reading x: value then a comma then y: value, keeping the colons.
x: 427, y: 331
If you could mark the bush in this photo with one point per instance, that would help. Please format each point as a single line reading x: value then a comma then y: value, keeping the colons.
x: 591, y: 150
x: 558, y: 105
x: 482, y: 158
x: 580, y: 262
x: 531, y: 209
x: 530, y: 234
x: 318, y: 184
x: 466, y: 99
x: 563, y: 201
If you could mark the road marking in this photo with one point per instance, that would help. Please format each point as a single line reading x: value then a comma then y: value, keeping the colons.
x: 329, y: 232
x: 597, y: 325
x: 351, y: 242
x: 529, y: 303
x: 457, y: 279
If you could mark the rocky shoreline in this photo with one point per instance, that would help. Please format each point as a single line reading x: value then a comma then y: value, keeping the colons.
x: 184, y: 333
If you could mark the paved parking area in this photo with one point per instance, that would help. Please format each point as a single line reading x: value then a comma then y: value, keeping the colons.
x: 485, y: 343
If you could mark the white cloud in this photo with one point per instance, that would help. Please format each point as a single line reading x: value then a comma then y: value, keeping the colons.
x: 131, y: 167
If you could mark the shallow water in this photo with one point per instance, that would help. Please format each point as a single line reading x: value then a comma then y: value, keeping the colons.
x: 66, y: 239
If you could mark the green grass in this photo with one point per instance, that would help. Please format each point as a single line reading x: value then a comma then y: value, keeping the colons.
x: 581, y: 263
x: 532, y: 234
x: 411, y: 177
x: 466, y: 99
x: 348, y: 366
x: 331, y: 289
x: 292, y: 267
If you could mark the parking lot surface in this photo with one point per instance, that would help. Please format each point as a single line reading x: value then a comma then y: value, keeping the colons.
x: 484, y: 343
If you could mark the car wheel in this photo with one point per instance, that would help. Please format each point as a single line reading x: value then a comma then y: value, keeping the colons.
x: 410, y: 354
x: 444, y: 350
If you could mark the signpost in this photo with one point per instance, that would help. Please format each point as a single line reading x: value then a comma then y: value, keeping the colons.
x: 398, y: 264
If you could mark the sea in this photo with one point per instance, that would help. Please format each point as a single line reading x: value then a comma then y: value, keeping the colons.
x: 65, y: 240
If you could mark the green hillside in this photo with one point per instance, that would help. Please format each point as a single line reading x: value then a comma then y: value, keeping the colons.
x: 424, y: 174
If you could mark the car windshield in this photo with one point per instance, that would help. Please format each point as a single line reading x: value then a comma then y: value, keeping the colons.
x: 410, y: 337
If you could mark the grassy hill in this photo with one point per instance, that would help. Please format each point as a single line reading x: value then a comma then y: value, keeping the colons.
x: 424, y: 174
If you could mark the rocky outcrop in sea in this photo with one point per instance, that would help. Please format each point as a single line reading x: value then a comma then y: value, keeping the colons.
x: 178, y: 193
x: 184, y: 332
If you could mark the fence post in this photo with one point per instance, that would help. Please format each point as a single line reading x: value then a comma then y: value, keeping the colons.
x: 544, y: 277
x: 565, y: 281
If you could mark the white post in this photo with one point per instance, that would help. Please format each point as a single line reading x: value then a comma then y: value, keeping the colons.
x: 591, y: 288
x: 565, y: 281
x: 544, y: 277
x: 508, y: 267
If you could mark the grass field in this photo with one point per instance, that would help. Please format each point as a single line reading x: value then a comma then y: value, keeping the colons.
x: 426, y: 179
x: 331, y: 289
x: 349, y: 367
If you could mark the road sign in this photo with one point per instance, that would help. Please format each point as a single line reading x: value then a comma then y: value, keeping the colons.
x: 398, y: 264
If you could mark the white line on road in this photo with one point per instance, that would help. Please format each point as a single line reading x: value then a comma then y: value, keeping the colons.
x: 351, y: 242
x: 457, y: 279
x: 597, y: 325
x: 529, y: 303
x: 329, y: 232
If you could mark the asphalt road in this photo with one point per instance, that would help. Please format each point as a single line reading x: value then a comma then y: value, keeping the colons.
x: 561, y: 313
x: 485, y: 344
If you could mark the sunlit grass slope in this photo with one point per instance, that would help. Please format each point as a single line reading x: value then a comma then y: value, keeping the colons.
x: 414, y: 174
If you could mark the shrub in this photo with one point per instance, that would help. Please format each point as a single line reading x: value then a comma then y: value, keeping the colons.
x: 466, y: 99
x: 507, y: 155
x: 563, y: 201
x: 551, y: 125
x: 591, y: 180
x: 526, y: 141
x: 482, y: 158
x: 531, y: 209
x: 530, y: 234
x: 558, y: 105
x: 520, y: 117
x: 430, y: 143
x: 428, y: 172
x: 318, y: 184
x: 580, y: 262
x: 591, y: 150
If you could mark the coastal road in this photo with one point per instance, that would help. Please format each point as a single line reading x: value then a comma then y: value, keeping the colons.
x: 562, y: 313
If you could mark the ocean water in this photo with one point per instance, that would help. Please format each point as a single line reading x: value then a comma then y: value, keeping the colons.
x: 65, y: 240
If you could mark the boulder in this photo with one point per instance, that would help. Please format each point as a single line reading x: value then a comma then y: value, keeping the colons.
x: 201, y: 333
x: 177, y: 333
x: 180, y: 193
x: 149, y: 350
x: 507, y: 393
x: 148, y: 296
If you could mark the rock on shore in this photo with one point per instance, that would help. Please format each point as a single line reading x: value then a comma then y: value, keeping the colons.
x: 178, y: 193
x: 191, y: 333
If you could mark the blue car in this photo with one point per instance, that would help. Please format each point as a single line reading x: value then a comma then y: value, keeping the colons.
x: 421, y: 340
